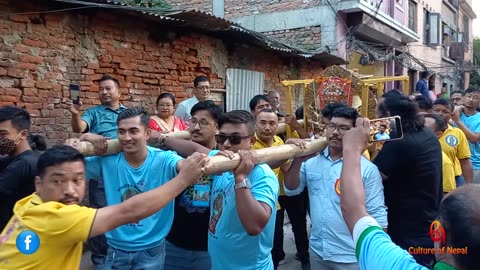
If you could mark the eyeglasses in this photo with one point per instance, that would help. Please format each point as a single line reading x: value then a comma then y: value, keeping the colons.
x: 233, y: 139
x: 165, y: 105
x: 340, y: 129
x: 202, y: 123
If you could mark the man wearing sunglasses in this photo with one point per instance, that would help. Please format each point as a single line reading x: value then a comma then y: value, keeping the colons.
x: 331, y: 245
x: 242, y: 202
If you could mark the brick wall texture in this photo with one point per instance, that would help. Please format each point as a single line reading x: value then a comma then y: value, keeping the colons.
x: 306, y: 37
x: 200, y: 5
x: 239, y: 8
x: 235, y: 8
x: 40, y: 55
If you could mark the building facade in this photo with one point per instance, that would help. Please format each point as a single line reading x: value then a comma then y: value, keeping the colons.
x: 42, y: 53
x: 379, y: 37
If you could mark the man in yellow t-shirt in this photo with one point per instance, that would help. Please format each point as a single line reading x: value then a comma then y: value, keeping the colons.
x: 439, y: 126
x: 448, y: 174
x: 454, y: 143
x: 48, y: 227
x: 266, y: 127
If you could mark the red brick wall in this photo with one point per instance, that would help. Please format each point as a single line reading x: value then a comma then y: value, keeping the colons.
x: 306, y: 37
x: 42, y: 55
x: 235, y: 8
x: 201, y: 5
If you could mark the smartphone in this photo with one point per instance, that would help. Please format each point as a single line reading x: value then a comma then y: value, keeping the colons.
x: 75, y: 93
x: 386, y: 129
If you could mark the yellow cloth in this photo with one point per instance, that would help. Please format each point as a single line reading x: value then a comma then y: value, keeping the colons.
x: 277, y: 141
x: 366, y: 154
x: 61, y: 229
x: 449, y: 183
x: 454, y: 143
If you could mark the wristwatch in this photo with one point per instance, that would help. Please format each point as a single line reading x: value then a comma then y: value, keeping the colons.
x: 244, y: 184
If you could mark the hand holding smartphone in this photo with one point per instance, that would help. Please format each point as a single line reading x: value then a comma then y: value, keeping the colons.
x: 386, y: 129
x: 75, y: 93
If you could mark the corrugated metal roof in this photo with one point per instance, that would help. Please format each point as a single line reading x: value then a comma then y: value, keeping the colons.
x: 215, y: 25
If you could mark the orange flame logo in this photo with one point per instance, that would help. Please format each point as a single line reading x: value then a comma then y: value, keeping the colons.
x: 437, y: 232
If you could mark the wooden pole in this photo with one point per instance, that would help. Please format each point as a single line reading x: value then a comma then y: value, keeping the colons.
x: 219, y: 164
x: 87, y: 149
x: 289, y: 108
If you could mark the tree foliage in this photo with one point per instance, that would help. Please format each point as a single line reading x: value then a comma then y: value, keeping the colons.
x: 148, y: 3
x: 474, y: 76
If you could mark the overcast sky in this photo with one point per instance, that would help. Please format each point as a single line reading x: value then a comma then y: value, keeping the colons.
x: 476, y: 9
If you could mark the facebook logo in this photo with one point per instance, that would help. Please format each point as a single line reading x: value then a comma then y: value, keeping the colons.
x: 28, y: 242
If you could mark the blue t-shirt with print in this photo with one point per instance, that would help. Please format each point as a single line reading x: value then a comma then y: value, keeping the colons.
x: 122, y: 181
x: 229, y: 245
x: 473, y: 123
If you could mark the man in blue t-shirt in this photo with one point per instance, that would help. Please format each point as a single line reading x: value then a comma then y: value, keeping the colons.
x: 137, y: 169
x: 243, y: 203
x: 375, y: 250
x: 467, y: 119
x: 382, y: 135
x: 101, y: 123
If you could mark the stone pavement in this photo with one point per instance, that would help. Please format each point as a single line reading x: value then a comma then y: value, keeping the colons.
x: 288, y: 245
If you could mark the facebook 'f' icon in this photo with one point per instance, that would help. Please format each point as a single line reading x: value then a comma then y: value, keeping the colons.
x: 28, y: 242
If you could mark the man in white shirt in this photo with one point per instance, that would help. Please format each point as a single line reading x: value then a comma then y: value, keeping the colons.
x: 201, y: 92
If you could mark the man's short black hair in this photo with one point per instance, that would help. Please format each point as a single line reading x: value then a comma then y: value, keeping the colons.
x: 299, y: 113
x: 384, y: 126
x: 329, y: 108
x: 166, y: 95
x: 37, y: 142
x: 200, y: 79
x: 238, y: 117
x: 209, y: 106
x: 424, y: 103
x: 445, y: 102
x: 472, y: 89
x: 254, y: 101
x: 56, y: 155
x: 440, y: 124
x: 110, y: 78
x: 345, y: 112
x: 20, y: 118
x: 134, y: 112
x: 457, y: 92
x: 424, y: 74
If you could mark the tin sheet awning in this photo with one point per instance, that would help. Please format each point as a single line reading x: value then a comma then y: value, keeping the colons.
x: 213, y: 25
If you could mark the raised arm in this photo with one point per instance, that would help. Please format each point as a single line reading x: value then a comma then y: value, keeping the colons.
x: 183, y: 147
x: 473, y: 136
x: 146, y: 204
x: 79, y: 125
x: 352, y: 197
x: 253, y: 213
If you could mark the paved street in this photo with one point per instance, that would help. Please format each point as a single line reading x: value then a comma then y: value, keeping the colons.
x: 289, y: 246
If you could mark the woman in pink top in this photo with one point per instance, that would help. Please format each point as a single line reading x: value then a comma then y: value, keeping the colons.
x: 165, y: 121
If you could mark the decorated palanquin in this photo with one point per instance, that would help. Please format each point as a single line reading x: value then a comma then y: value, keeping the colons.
x: 333, y: 84
x: 333, y: 90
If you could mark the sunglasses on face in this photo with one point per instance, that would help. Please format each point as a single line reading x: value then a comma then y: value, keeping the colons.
x: 233, y: 139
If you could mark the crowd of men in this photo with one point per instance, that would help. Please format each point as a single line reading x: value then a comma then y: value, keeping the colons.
x: 151, y: 206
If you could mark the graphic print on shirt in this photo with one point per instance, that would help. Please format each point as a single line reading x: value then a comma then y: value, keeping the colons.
x: 196, y: 198
x: 337, y: 186
x: 15, y: 225
x: 216, y: 212
x: 127, y: 191
x: 451, y: 140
